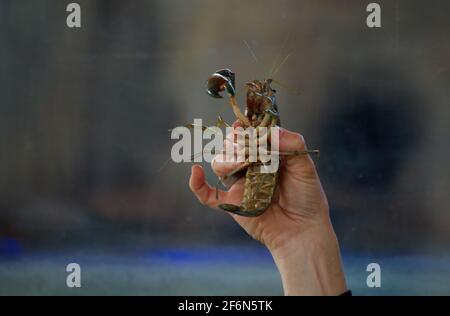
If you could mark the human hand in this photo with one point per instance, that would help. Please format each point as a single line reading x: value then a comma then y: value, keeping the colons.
x: 296, y: 227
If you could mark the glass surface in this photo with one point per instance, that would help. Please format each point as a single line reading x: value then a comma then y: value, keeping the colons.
x: 84, y: 140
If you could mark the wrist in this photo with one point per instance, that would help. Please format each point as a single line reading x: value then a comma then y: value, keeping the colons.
x: 309, y: 262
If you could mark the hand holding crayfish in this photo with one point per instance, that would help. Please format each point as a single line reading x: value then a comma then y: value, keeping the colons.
x: 296, y: 227
x: 287, y: 209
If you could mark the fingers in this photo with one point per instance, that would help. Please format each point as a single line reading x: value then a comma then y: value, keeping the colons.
x: 223, y: 164
x: 236, y: 124
x: 290, y: 142
x: 287, y: 140
x: 202, y: 190
x: 221, y: 167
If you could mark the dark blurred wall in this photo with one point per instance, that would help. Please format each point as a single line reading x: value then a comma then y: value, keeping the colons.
x: 84, y: 114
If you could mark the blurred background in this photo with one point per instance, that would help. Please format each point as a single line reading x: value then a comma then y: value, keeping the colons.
x: 84, y: 119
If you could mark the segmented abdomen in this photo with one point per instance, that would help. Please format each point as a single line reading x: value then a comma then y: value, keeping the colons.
x: 259, y: 189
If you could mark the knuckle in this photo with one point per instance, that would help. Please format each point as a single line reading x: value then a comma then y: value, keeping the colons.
x: 201, y: 199
x: 199, y: 193
x: 192, y: 187
x: 215, y: 166
x: 300, y: 140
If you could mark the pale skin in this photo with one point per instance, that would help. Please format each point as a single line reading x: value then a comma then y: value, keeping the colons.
x: 296, y: 228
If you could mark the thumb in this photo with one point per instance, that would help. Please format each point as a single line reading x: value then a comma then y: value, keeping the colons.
x: 301, y: 164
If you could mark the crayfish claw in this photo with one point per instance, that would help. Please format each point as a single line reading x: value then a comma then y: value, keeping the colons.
x: 219, y: 81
